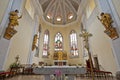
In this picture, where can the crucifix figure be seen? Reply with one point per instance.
(86, 35)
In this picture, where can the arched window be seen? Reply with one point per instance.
(46, 44)
(58, 42)
(73, 44)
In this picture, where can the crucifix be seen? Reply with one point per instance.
(86, 35)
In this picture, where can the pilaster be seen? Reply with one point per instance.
(106, 6)
(4, 43)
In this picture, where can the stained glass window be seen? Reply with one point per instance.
(58, 42)
(46, 44)
(73, 44)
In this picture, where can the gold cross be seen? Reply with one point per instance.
(85, 35)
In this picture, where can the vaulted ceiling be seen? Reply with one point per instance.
(60, 11)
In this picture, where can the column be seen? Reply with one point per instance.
(5, 44)
(107, 7)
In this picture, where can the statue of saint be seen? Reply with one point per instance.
(34, 44)
(13, 19)
(106, 20)
(35, 39)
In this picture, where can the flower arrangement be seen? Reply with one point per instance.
(14, 65)
(58, 73)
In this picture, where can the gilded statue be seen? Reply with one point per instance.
(85, 35)
(60, 54)
(13, 19)
(34, 41)
(106, 20)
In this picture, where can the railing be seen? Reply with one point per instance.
(98, 74)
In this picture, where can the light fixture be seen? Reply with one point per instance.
(48, 16)
(70, 16)
(59, 18)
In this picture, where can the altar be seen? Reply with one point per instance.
(60, 58)
(60, 72)
(60, 62)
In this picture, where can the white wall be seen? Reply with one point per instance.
(3, 7)
(22, 41)
(100, 43)
(4, 48)
(117, 4)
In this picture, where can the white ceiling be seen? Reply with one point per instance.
(63, 10)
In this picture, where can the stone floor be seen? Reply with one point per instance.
(40, 77)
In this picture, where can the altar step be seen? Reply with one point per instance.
(41, 77)
(96, 78)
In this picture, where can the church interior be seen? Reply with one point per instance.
(59, 40)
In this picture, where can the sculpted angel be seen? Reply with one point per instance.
(13, 19)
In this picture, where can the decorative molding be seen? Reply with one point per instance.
(9, 33)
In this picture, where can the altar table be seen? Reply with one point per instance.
(70, 71)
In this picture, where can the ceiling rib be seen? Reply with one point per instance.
(62, 8)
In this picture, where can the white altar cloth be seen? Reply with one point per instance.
(63, 69)
(70, 71)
